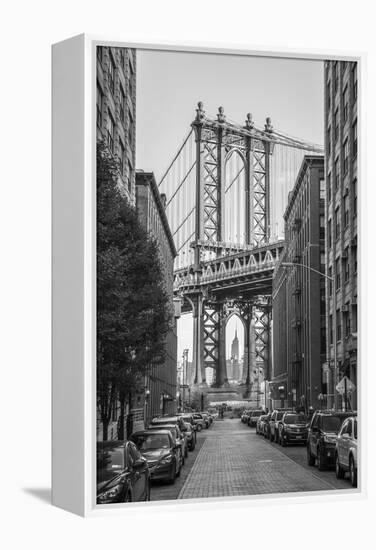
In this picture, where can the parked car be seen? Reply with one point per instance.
(274, 421)
(322, 437)
(199, 421)
(180, 438)
(162, 454)
(176, 419)
(346, 452)
(213, 412)
(260, 424)
(207, 419)
(188, 419)
(253, 416)
(122, 473)
(293, 428)
(245, 415)
(265, 425)
(191, 435)
(211, 417)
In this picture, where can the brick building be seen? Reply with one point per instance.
(116, 126)
(299, 321)
(161, 381)
(341, 147)
(116, 110)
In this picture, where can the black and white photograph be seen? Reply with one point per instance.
(226, 275)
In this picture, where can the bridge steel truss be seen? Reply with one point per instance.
(223, 278)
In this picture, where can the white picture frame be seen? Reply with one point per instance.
(74, 275)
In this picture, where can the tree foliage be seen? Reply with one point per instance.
(133, 313)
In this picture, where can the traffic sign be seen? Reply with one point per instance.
(345, 385)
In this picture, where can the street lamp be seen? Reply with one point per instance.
(331, 279)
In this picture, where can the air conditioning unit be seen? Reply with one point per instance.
(354, 242)
(345, 308)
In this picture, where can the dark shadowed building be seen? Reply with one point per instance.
(299, 328)
(161, 379)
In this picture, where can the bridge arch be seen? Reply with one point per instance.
(235, 227)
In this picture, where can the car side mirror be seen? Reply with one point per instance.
(139, 463)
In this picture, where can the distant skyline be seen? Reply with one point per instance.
(169, 85)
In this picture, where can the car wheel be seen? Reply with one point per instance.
(340, 472)
(282, 441)
(186, 451)
(199, 427)
(310, 457)
(193, 447)
(173, 473)
(320, 463)
(353, 473)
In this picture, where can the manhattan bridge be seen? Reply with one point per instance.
(226, 189)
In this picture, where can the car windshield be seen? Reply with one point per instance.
(331, 423)
(279, 415)
(295, 419)
(148, 442)
(256, 413)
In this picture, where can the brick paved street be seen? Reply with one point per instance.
(233, 460)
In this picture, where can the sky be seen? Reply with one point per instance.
(169, 85)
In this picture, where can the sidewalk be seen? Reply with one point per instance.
(235, 461)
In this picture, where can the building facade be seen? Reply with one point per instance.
(161, 380)
(116, 110)
(299, 315)
(116, 127)
(341, 148)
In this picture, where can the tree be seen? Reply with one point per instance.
(133, 311)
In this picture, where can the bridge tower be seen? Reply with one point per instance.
(216, 141)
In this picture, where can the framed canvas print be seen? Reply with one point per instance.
(205, 275)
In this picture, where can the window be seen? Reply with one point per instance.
(346, 267)
(345, 99)
(322, 262)
(110, 132)
(322, 189)
(355, 184)
(346, 207)
(329, 140)
(328, 98)
(99, 104)
(329, 180)
(336, 173)
(338, 274)
(346, 156)
(323, 340)
(121, 156)
(355, 138)
(330, 286)
(355, 81)
(355, 256)
(346, 323)
(336, 76)
(122, 57)
(330, 329)
(100, 54)
(122, 104)
(336, 125)
(111, 74)
(322, 226)
(330, 233)
(337, 223)
(339, 327)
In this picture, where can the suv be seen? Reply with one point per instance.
(254, 415)
(293, 428)
(199, 421)
(274, 421)
(322, 437)
(346, 453)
